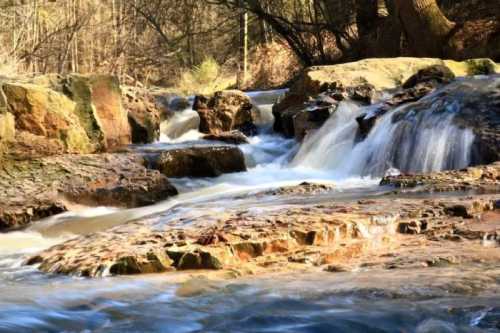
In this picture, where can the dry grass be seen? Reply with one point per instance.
(206, 78)
(9, 66)
(272, 65)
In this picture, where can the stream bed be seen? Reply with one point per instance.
(453, 299)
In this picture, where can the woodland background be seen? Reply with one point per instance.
(192, 45)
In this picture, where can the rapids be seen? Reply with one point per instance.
(353, 302)
(405, 139)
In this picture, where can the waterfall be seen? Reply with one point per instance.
(415, 137)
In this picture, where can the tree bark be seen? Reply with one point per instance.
(427, 28)
(389, 42)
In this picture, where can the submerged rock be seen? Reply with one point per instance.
(209, 161)
(37, 188)
(225, 111)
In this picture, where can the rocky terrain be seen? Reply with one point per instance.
(380, 232)
(66, 142)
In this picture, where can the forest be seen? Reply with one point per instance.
(160, 42)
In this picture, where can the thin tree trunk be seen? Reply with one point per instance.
(243, 52)
(427, 28)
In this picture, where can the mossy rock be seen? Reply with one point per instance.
(47, 113)
(99, 108)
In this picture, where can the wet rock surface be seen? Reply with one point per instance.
(232, 137)
(480, 178)
(358, 81)
(37, 188)
(225, 111)
(383, 233)
(209, 161)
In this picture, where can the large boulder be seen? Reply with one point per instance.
(209, 161)
(99, 107)
(33, 189)
(380, 74)
(46, 113)
(225, 111)
(144, 114)
(68, 114)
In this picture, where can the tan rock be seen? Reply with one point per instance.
(99, 107)
(225, 111)
(46, 113)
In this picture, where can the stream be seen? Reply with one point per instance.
(454, 299)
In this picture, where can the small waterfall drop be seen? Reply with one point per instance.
(415, 137)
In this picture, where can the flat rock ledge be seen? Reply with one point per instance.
(384, 232)
(38, 188)
(485, 179)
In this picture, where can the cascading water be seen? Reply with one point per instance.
(416, 137)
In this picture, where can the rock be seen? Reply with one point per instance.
(48, 114)
(339, 236)
(76, 113)
(437, 74)
(7, 127)
(210, 161)
(484, 178)
(413, 94)
(225, 111)
(233, 137)
(99, 107)
(37, 188)
(179, 103)
(378, 74)
(310, 119)
(144, 114)
(7, 130)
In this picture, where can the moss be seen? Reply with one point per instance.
(78, 88)
(480, 67)
(49, 114)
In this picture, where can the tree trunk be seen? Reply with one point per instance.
(366, 22)
(427, 28)
(243, 52)
(389, 41)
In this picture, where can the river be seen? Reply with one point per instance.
(455, 299)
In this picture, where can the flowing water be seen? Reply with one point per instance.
(451, 300)
(406, 139)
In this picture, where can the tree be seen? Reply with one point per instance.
(426, 27)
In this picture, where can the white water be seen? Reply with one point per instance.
(421, 141)
(31, 301)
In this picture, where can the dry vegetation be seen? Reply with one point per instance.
(194, 46)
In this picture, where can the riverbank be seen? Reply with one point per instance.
(301, 237)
